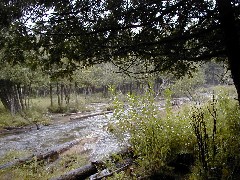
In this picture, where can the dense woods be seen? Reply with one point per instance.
(147, 36)
(17, 89)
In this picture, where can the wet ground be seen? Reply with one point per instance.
(90, 128)
(92, 131)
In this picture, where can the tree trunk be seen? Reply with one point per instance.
(105, 91)
(51, 94)
(67, 92)
(17, 89)
(61, 93)
(89, 90)
(80, 173)
(28, 93)
(25, 97)
(58, 95)
(131, 88)
(92, 168)
(76, 94)
(138, 87)
(231, 39)
(10, 96)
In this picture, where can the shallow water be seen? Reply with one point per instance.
(49, 136)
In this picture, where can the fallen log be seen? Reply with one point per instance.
(90, 115)
(16, 162)
(91, 169)
(80, 173)
(49, 155)
(11, 130)
(106, 173)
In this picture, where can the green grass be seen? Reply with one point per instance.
(77, 105)
(12, 155)
(230, 89)
(157, 137)
(42, 169)
(40, 107)
(34, 115)
(7, 120)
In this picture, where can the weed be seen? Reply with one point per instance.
(154, 138)
(42, 169)
(12, 155)
(158, 138)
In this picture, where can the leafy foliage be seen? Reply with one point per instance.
(186, 86)
(155, 138)
(209, 132)
(159, 35)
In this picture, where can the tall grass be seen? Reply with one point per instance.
(43, 169)
(210, 132)
(40, 107)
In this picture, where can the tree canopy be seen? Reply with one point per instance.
(166, 35)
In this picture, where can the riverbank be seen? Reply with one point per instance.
(89, 128)
(55, 118)
(64, 128)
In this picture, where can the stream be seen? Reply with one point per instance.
(58, 133)
(92, 130)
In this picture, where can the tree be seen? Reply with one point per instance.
(170, 35)
(16, 85)
(215, 73)
(231, 39)
(160, 35)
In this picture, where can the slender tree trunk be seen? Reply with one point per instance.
(21, 96)
(58, 95)
(67, 92)
(231, 38)
(131, 88)
(76, 94)
(51, 94)
(105, 91)
(29, 93)
(25, 93)
(61, 93)
(138, 87)
(89, 90)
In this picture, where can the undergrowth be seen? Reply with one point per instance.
(43, 169)
(40, 107)
(209, 132)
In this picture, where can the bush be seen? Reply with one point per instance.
(187, 85)
(44, 169)
(156, 139)
(210, 132)
(57, 109)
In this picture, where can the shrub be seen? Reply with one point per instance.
(187, 85)
(156, 139)
(57, 109)
(210, 131)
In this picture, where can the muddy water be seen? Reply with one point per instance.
(49, 136)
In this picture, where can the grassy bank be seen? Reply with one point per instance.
(195, 142)
(44, 169)
(39, 108)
